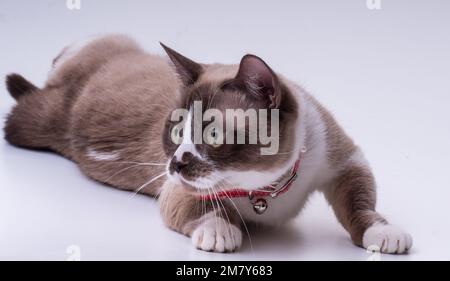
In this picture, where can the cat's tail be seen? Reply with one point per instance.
(18, 86)
(39, 119)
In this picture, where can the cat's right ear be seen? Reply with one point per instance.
(187, 69)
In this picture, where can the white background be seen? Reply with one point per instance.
(385, 74)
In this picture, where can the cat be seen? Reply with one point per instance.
(107, 105)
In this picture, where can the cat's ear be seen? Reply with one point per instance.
(257, 78)
(188, 70)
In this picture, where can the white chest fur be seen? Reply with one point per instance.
(313, 174)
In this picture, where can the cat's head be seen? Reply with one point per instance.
(235, 125)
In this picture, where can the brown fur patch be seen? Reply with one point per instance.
(237, 156)
(352, 193)
(110, 97)
(18, 86)
(353, 199)
(339, 146)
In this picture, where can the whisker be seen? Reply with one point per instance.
(121, 171)
(203, 206)
(147, 183)
(135, 164)
(228, 219)
(214, 208)
(157, 194)
(141, 163)
(239, 213)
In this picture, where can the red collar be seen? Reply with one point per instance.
(266, 191)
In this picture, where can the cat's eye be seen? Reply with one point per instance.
(214, 137)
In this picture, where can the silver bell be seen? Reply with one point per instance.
(260, 206)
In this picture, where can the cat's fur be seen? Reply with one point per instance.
(106, 107)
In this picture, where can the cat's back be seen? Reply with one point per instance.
(78, 61)
(131, 80)
(122, 100)
(107, 62)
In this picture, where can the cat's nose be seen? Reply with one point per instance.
(177, 166)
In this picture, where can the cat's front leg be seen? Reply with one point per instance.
(353, 200)
(212, 225)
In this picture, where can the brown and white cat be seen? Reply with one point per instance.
(106, 105)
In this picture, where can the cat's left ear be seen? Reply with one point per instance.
(187, 69)
(258, 79)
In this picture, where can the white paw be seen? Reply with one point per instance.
(217, 235)
(390, 239)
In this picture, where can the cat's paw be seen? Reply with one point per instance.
(217, 235)
(389, 239)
